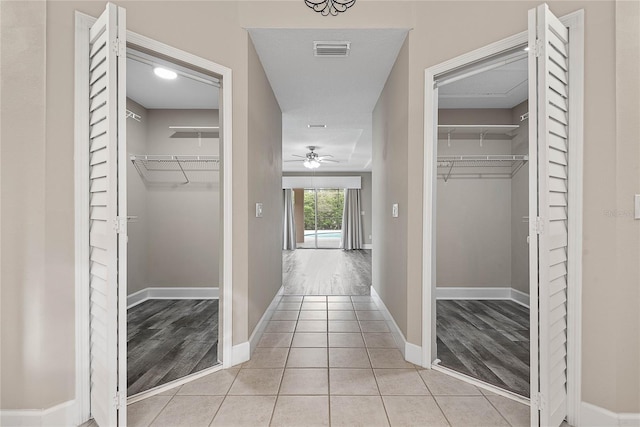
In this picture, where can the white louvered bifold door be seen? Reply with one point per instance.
(549, 39)
(105, 119)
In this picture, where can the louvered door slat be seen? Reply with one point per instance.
(103, 268)
(552, 103)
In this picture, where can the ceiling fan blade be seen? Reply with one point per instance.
(298, 155)
(328, 160)
(287, 161)
(325, 155)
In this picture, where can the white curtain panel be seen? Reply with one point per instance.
(289, 222)
(351, 220)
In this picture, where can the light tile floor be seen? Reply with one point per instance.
(327, 361)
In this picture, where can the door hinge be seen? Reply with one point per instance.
(119, 400)
(539, 225)
(537, 49)
(120, 224)
(539, 402)
(119, 48)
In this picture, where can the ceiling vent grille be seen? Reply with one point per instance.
(331, 49)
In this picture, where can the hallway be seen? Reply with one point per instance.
(327, 360)
(326, 272)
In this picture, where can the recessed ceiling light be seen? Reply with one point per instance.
(316, 126)
(163, 73)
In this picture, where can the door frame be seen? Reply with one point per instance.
(575, 23)
(81, 195)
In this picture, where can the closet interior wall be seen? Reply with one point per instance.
(174, 241)
(481, 222)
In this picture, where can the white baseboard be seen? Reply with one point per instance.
(264, 320)
(240, 353)
(64, 414)
(243, 351)
(595, 416)
(367, 246)
(411, 352)
(483, 293)
(172, 293)
(519, 297)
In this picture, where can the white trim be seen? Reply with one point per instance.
(243, 351)
(63, 414)
(322, 181)
(172, 384)
(81, 218)
(519, 297)
(575, 22)
(264, 320)
(81, 191)
(480, 384)
(367, 246)
(595, 416)
(172, 293)
(240, 353)
(411, 352)
(483, 293)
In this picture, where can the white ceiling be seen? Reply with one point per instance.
(503, 87)
(340, 93)
(152, 92)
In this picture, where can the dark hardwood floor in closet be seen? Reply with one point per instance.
(168, 339)
(326, 272)
(488, 340)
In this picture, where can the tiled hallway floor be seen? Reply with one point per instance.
(327, 361)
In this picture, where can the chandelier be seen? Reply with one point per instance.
(330, 7)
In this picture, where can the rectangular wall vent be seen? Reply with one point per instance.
(331, 49)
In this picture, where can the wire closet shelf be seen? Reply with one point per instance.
(181, 169)
(494, 166)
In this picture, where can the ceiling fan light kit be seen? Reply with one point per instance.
(311, 164)
(312, 160)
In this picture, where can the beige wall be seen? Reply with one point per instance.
(388, 263)
(22, 177)
(175, 240)
(183, 229)
(520, 205)
(265, 186)
(473, 218)
(481, 238)
(626, 314)
(137, 231)
(41, 207)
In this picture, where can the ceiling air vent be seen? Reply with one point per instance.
(331, 49)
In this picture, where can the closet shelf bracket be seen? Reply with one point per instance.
(182, 169)
(495, 166)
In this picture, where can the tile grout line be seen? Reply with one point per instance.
(163, 408)
(284, 368)
(373, 372)
(494, 407)
(224, 398)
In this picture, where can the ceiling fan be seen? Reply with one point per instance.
(312, 160)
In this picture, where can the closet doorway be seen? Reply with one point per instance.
(173, 202)
(476, 204)
(161, 167)
(482, 254)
